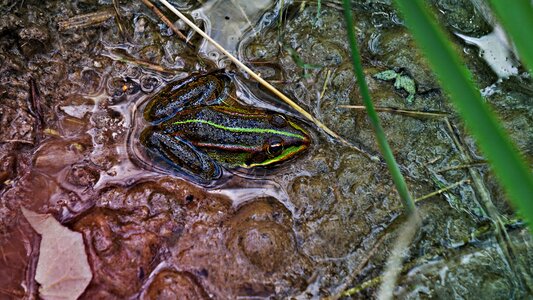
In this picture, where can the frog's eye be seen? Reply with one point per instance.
(278, 121)
(274, 147)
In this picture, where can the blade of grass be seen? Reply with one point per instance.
(456, 81)
(517, 19)
(397, 177)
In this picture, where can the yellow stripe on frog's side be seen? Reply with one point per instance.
(286, 153)
(241, 129)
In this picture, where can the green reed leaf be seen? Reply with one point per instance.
(504, 159)
(397, 177)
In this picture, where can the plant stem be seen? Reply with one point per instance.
(397, 176)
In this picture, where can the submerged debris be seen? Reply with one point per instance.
(86, 20)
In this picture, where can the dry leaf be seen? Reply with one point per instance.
(63, 270)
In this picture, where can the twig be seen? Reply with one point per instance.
(440, 191)
(85, 20)
(435, 193)
(358, 269)
(165, 20)
(433, 160)
(489, 209)
(463, 166)
(118, 18)
(326, 81)
(265, 83)
(142, 63)
(244, 14)
(35, 103)
(433, 114)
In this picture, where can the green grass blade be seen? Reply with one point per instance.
(505, 161)
(397, 177)
(516, 17)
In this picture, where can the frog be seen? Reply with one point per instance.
(197, 127)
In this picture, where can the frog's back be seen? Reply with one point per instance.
(231, 128)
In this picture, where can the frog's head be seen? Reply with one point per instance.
(283, 139)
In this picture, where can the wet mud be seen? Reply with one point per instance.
(71, 100)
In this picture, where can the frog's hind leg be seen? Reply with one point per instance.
(181, 155)
(203, 90)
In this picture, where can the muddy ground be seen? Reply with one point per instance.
(307, 228)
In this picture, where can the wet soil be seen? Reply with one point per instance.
(69, 106)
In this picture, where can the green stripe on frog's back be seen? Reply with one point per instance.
(242, 129)
(238, 137)
(216, 125)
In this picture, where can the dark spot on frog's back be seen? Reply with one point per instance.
(207, 89)
(278, 120)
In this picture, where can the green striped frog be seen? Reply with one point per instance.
(194, 129)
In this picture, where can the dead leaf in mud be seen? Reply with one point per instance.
(63, 269)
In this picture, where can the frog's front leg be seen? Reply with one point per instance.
(209, 89)
(180, 154)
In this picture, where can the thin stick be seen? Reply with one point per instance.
(118, 16)
(444, 189)
(435, 114)
(145, 64)
(357, 271)
(161, 16)
(508, 250)
(437, 192)
(324, 88)
(463, 166)
(85, 20)
(264, 82)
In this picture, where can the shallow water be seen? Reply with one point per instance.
(300, 229)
